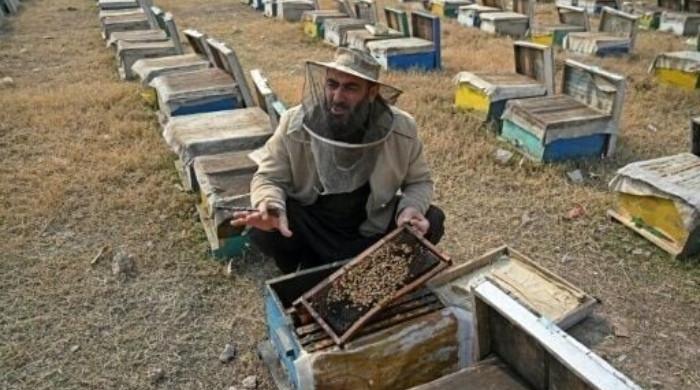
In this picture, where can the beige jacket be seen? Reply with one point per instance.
(287, 169)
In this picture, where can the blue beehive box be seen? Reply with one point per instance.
(582, 122)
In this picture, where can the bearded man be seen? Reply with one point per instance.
(342, 169)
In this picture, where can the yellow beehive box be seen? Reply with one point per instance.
(660, 200)
(680, 68)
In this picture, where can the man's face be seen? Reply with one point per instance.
(344, 93)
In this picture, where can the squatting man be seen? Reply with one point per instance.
(343, 169)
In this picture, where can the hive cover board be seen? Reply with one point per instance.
(394, 266)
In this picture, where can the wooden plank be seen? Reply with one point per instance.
(582, 362)
(228, 60)
(488, 374)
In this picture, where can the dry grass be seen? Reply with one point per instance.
(84, 166)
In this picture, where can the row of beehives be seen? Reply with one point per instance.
(408, 40)
(207, 111)
(8, 8)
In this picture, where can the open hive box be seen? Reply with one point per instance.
(680, 68)
(518, 350)
(448, 8)
(394, 266)
(660, 200)
(415, 339)
(537, 288)
(680, 23)
(312, 21)
(420, 51)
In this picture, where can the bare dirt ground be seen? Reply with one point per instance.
(83, 166)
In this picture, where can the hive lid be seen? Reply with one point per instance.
(537, 288)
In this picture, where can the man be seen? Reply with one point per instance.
(328, 182)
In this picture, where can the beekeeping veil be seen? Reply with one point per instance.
(345, 148)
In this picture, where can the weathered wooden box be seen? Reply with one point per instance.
(396, 27)
(595, 6)
(541, 291)
(616, 34)
(412, 342)
(130, 51)
(291, 10)
(224, 185)
(680, 23)
(470, 15)
(485, 93)
(518, 350)
(660, 200)
(649, 16)
(583, 122)
(421, 51)
(148, 69)
(335, 30)
(117, 4)
(222, 87)
(512, 24)
(158, 31)
(130, 21)
(681, 69)
(448, 8)
(312, 21)
(191, 136)
(571, 19)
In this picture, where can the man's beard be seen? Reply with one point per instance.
(350, 127)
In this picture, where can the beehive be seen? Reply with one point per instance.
(117, 4)
(448, 8)
(291, 10)
(312, 21)
(616, 34)
(583, 122)
(470, 15)
(191, 136)
(571, 19)
(224, 185)
(396, 27)
(680, 23)
(413, 341)
(594, 6)
(681, 69)
(335, 30)
(485, 94)
(148, 69)
(420, 51)
(131, 21)
(518, 350)
(660, 200)
(222, 87)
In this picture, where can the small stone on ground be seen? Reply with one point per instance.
(228, 354)
(250, 382)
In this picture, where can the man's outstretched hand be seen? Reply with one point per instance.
(415, 218)
(264, 219)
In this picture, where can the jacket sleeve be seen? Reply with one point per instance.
(274, 175)
(417, 187)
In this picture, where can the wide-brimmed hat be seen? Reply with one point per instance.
(362, 65)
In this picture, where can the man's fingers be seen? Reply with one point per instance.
(283, 225)
(238, 222)
(262, 208)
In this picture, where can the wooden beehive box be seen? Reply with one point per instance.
(596, 6)
(191, 136)
(312, 21)
(334, 30)
(571, 19)
(681, 69)
(583, 122)
(660, 200)
(680, 23)
(143, 20)
(117, 4)
(518, 350)
(616, 34)
(485, 93)
(470, 15)
(541, 291)
(448, 8)
(224, 186)
(291, 10)
(148, 69)
(222, 87)
(396, 27)
(421, 51)
(396, 265)
(413, 341)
